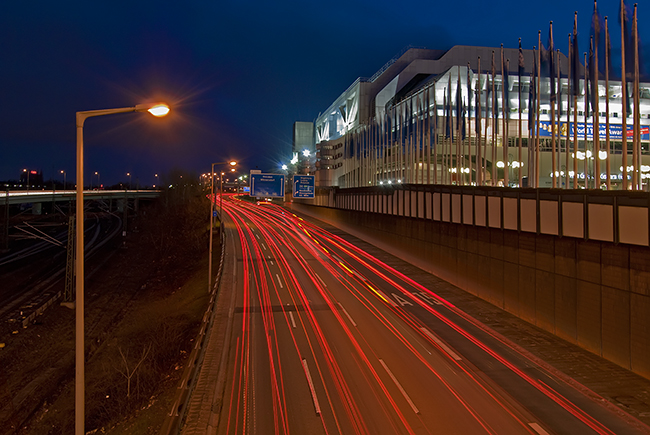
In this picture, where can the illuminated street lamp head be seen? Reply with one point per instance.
(233, 163)
(157, 109)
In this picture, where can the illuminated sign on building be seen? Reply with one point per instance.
(615, 131)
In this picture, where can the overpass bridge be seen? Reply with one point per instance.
(43, 196)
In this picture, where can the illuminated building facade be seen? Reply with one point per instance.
(444, 117)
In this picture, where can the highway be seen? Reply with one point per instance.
(327, 339)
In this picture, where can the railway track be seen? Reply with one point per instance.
(31, 276)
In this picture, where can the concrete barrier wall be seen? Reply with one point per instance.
(574, 264)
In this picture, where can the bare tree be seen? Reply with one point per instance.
(127, 371)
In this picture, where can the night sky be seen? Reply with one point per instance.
(237, 74)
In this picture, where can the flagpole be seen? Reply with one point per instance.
(459, 137)
(608, 168)
(539, 95)
(485, 143)
(469, 126)
(567, 142)
(574, 85)
(623, 97)
(477, 122)
(427, 147)
(637, 115)
(504, 145)
(552, 102)
(520, 70)
(596, 96)
(559, 116)
(586, 112)
(443, 149)
(435, 135)
(450, 160)
(494, 125)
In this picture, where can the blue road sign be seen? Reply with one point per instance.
(303, 186)
(214, 213)
(267, 185)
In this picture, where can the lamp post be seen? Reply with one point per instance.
(156, 175)
(63, 172)
(158, 110)
(128, 174)
(99, 185)
(27, 172)
(231, 163)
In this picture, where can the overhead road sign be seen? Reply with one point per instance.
(303, 186)
(267, 185)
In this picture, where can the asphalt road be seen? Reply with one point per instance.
(328, 339)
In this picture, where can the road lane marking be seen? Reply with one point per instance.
(446, 348)
(279, 281)
(406, 396)
(258, 237)
(320, 279)
(263, 246)
(293, 322)
(311, 386)
(428, 298)
(537, 428)
(347, 314)
(401, 300)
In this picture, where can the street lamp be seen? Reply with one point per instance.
(156, 175)
(63, 172)
(99, 185)
(128, 174)
(158, 110)
(26, 171)
(231, 163)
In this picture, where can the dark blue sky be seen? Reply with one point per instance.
(236, 73)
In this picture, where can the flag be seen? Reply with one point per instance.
(588, 96)
(624, 15)
(597, 31)
(459, 101)
(532, 97)
(447, 118)
(479, 89)
(551, 61)
(469, 90)
(505, 78)
(463, 127)
(559, 84)
(522, 66)
(590, 87)
(628, 53)
(575, 60)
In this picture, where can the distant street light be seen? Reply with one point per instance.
(231, 163)
(156, 175)
(25, 170)
(99, 185)
(63, 172)
(128, 174)
(158, 110)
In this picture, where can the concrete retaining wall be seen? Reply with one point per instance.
(592, 293)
